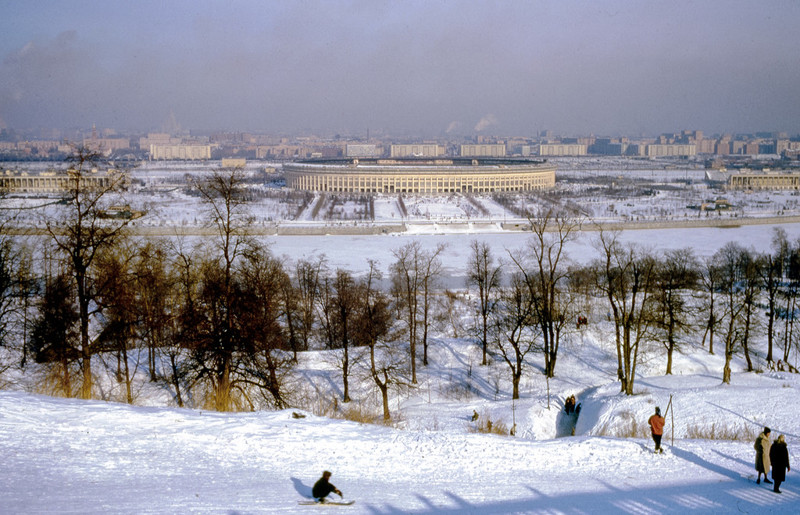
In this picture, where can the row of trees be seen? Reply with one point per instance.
(223, 319)
(221, 316)
(667, 298)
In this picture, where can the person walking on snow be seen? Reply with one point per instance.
(762, 446)
(779, 456)
(322, 488)
(656, 423)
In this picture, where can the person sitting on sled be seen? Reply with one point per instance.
(322, 488)
(569, 404)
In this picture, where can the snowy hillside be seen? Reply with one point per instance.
(438, 454)
(75, 456)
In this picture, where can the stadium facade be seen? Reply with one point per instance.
(429, 176)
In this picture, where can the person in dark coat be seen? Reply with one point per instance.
(322, 488)
(569, 404)
(762, 446)
(779, 456)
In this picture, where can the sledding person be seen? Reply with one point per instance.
(322, 488)
(779, 456)
(656, 423)
(569, 404)
(762, 446)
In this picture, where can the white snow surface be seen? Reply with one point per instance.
(73, 456)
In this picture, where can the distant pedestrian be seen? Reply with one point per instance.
(656, 423)
(779, 456)
(762, 445)
(322, 488)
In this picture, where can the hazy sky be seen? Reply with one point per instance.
(405, 67)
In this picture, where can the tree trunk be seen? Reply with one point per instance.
(345, 373)
(384, 388)
(746, 341)
(151, 362)
(222, 402)
(726, 370)
(176, 380)
(86, 364)
(485, 342)
(770, 327)
(517, 375)
(66, 384)
(670, 347)
(711, 322)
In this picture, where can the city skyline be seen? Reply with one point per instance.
(427, 69)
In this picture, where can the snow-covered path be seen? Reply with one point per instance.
(70, 456)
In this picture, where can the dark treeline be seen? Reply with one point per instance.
(220, 323)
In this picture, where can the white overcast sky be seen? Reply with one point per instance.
(406, 67)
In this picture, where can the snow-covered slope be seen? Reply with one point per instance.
(70, 456)
(92, 457)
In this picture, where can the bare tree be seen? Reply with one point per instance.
(413, 276)
(431, 267)
(262, 360)
(729, 259)
(291, 314)
(118, 304)
(307, 276)
(771, 269)
(751, 289)
(513, 328)
(55, 335)
(374, 326)
(9, 280)
(626, 275)
(185, 320)
(345, 306)
(82, 232)
(223, 195)
(17, 290)
(8, 261)
(676, 274)
(156, 290)
(710, 279)
(546, 278)
(790, 292)
(27, 286)
(485, 275)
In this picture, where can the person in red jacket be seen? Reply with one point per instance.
(656, 423)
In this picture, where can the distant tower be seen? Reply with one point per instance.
(94, 132)
(171, 125)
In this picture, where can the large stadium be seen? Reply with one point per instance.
(420, 175)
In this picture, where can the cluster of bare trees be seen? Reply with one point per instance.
(528, 311)
(219, 321)
(653, 299)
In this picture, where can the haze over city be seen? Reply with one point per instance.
(416, 68)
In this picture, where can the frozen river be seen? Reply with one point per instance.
(353, 252)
